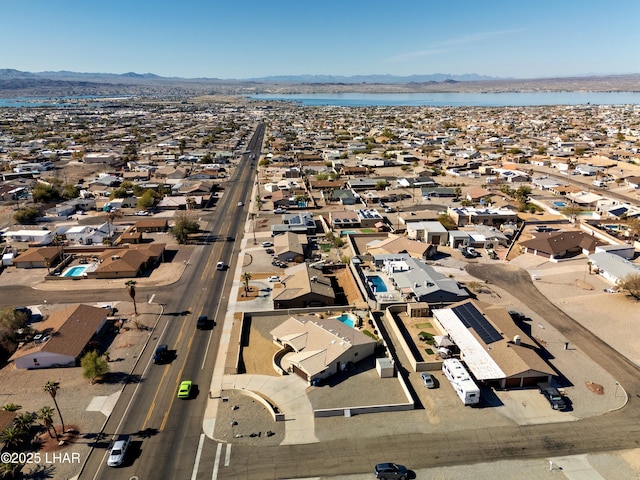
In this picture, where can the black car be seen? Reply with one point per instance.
(202, 322)
(161, 354)
(553, 395)
(390, 471)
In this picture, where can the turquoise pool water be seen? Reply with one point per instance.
(347, 320)
(76, 271)
(348, 232)
(378, 283)
(559, 204)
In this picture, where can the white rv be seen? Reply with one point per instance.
(461, 381)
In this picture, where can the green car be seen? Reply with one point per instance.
(185, 389)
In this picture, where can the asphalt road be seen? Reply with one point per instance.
(166, 431)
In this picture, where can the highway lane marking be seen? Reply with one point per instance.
(151, 299)
(216, 464)
(215, 320)
(227, 455)
(194, 474)
(166, 370)
(175, 389)
(153, 402)
(126, 410)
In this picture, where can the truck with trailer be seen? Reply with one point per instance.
(461, 381)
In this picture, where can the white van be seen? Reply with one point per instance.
(598, 183)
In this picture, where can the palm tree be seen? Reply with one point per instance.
(11, 437)
(246, 276)
(110, 217)
(131, 285)
(46, 415)
(52, 387)
(24, 421)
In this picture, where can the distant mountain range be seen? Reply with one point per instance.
(8, 73)
(14, 83)
(385, 79)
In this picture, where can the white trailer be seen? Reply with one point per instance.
(461, 381)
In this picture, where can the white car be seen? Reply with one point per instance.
(427, 380)
(280, 210)
(267, 244)
(220, 266)
(274, 278)
(118, 451)
(142, 213)
(241, 204)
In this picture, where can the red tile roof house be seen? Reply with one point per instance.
(65, 335)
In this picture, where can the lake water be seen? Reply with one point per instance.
(62, 102)
(510, 99)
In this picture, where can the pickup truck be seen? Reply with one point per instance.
(553, 395)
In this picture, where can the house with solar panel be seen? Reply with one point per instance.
(494, 349)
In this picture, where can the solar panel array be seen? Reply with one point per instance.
(472, 318)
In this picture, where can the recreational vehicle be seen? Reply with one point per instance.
(461, 381)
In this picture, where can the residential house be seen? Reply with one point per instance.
(88, 234)
(320, 347)
(290, 247)
(432, 232)
(154, 224)
(494, 348)
(304, 286)
(62, 338)
(34, 237)
(127, 262)
(395, 244)
(561, 245)
(38, 257)
(419, 282)
(484, 216)
(299, 222)
(613, 267)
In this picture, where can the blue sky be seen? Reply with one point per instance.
(248, 39)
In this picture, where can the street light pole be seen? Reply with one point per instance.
(253, 226)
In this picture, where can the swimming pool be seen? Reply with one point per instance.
(377, 283)
(347, 319)
(559, 204)
(76, 271)
(348, 232)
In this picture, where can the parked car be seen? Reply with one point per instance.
(280, 210)
(274, 278)
(267, 244)
(390, 471)
(184, 390)
(118, 451)
(553, 395)
(270, 251)
(427, 380)
(161, 354)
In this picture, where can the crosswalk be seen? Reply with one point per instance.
(218, 459)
